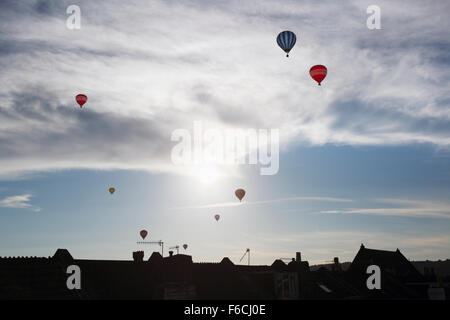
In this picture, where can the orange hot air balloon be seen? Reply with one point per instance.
(217, 217)
(240, 193)
(81, 99)
(318, 73)
(143, 234)
(112, 190)
(185, 246)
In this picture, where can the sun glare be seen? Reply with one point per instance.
(206, 175)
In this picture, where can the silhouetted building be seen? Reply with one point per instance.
(392, 262)
(178, 277)
(399, 278)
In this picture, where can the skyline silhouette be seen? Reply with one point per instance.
(176, 276)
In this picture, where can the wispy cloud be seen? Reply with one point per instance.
(326, 199)
(410, 208)
(19, 202)
(211, 206)
(235, 204)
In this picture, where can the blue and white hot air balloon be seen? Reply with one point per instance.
(286, 40)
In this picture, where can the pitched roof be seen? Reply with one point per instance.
(392, 262)
(156, 257)
(279, 265)
(227, 262)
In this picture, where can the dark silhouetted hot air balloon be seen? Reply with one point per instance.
(217, 217)
(318, 73)
(286, 40)
(240, 193)
(185, 246)
(81, 99)
(112, 190)
(143, 234)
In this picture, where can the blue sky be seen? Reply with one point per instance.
(364, 158)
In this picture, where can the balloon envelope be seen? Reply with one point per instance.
(217, 217)
(112, 190)
(286, 40)
(185, 246)
(240, 193)
(81, 99)
(143, 234)
(318, 73)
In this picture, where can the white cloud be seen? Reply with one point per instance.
(409, 208)
(234, 204)
(19, 202)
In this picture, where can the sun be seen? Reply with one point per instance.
(206, 175)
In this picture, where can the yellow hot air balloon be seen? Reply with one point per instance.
(112, 190)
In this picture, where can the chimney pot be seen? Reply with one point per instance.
(138, 256)
(298, 256)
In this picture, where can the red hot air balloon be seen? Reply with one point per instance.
(185, 246)
(143, 234)
(240, 193)
(217, 217)
(81, 99)
(318, 73)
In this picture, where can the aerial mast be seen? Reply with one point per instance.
(159, 242)
(246, 252)
(177, 247)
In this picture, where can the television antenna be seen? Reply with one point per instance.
(246, 251)
(159, 242)
(177, 247)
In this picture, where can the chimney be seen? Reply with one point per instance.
(170, 253)
(337, 266)
(298, 257)
(138, 256)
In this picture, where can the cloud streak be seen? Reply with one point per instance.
(18, 202)
(235, 204)
(409, 208)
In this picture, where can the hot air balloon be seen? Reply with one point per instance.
(240, 193)
(143, 234)
(286, 40)
(81, 99)
(112, 190)
(185, 246)
(217, 217)
(318, 73)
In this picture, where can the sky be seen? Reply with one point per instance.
(363, 158)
